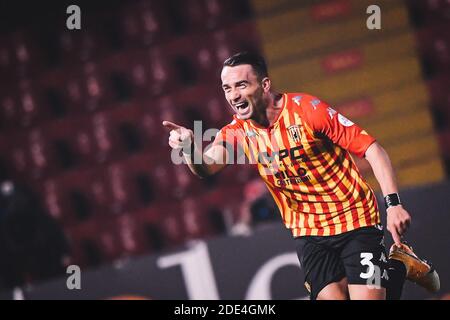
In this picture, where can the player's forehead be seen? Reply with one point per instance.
(235, 74)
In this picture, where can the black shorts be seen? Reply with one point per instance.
(359, 255)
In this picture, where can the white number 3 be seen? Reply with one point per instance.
(366, 257)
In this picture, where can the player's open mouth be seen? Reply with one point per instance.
(242, 106)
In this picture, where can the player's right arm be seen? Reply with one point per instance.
(209, 163)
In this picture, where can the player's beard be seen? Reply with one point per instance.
(259, 106)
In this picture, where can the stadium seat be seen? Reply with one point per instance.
(129, 236)
(231, 40)
(27, 56)
(87, 90)
(31, 109)
(9, 112)
(153, 133)
(148, 218)
(39, 152)
(211, 109)
(79, 202)
(162, 76)
(89, 245)
(143, 24)
(171, 226)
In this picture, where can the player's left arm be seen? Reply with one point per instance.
(398, 219)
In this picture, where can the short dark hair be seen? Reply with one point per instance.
(255, 60)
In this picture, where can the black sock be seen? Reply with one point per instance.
(397, 275)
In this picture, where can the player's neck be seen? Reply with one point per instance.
(269, 115)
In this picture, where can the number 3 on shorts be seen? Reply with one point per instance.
(366, 261)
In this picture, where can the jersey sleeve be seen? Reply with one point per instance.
(229, 137)
(325, 120)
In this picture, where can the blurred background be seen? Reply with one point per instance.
(85, 170)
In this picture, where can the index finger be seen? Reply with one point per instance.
(171, 125)
(396, 237)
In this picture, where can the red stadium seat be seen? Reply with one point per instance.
(89, 245)
(100, 239)
(197, 16)
(9, 112)
(148, 219)
(160, 71)
(155, 136)
(17, 156)
(143, 24)
(39, 154)
(80, 47)
(84, 90)
(27, 56)
(231, 40)
(105, 137)
(193, 64)
(212, 109)
(122, 236)
(82, 194)
(22, 106)
(171, 225)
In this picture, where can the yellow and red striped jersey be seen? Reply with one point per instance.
(304, 160)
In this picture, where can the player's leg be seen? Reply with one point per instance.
(365, 292)
(324, 272)
(405, 264)
(334, 291)
(397, 276)
(364, 259)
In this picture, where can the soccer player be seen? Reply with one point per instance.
(300, 146)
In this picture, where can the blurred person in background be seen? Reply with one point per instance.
(33, 246)
(301, 147)
(257, 206)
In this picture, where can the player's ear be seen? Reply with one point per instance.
(266, 84)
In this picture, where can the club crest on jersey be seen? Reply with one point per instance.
(294, 132)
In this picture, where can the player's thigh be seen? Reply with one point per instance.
(334, 291)
(364, 292)
(322, 268)
(364, 259)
